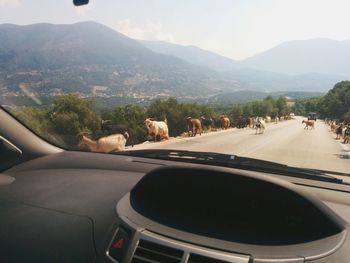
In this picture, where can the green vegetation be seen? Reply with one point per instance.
(70, 116)
(61, 123)
(268, 107)
(131, 115)
(334, 105)
(176, 113)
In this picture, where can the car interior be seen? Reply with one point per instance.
(66, 206)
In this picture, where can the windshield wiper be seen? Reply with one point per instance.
(234, 161)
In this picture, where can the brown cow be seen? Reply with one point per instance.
(193, 126)
(225, 122)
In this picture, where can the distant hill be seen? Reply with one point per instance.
(78, 57)
(192, 55)
(266, 81)
(322, 56)
(246, 73)
(297, 57)
(95, 60)
(51, 46)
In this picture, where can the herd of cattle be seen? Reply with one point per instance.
(341, 129)
(116, 135)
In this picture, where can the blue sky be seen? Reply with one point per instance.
(234, 28)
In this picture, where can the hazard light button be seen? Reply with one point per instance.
(119, 245)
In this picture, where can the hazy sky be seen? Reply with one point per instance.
(234, 28)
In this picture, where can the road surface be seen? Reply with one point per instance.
(286, 142)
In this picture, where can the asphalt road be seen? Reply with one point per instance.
(286, 142)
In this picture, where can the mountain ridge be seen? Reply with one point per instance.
(253, 62)
(249, 76)
(192, 53)
(317, 55)
(91, 58)
(89, 54)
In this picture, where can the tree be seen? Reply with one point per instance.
(133, 116)
(247, 110)
(258, 108)
(235, 113)
(282, 107)
(336, 103)
(176, 113)
(70, 115)
(37, 119)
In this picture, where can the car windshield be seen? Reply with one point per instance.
(261, 79)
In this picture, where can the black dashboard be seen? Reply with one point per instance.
(85, 207)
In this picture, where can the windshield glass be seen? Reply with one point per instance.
(260, 79)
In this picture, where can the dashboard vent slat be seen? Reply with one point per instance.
(149, 252)
(194, 258)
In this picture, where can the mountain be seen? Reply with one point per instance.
(95, 60)
(91, 58)
(322, 56)
(192, 55)
(51, 46)
(246, 73)
(298, 57)
(266, 81)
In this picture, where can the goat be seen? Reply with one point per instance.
(225, 122)
(259, 126)
(333, 125)
(108, 129)
(107, 144)
(308, 124)
(347, 134)
(193, 126)
(207, 123)
(339, 131)
(157, 128)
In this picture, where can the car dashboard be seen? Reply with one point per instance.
(86, 207)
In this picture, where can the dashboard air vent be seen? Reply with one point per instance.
(151, 252)
(194, 258)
